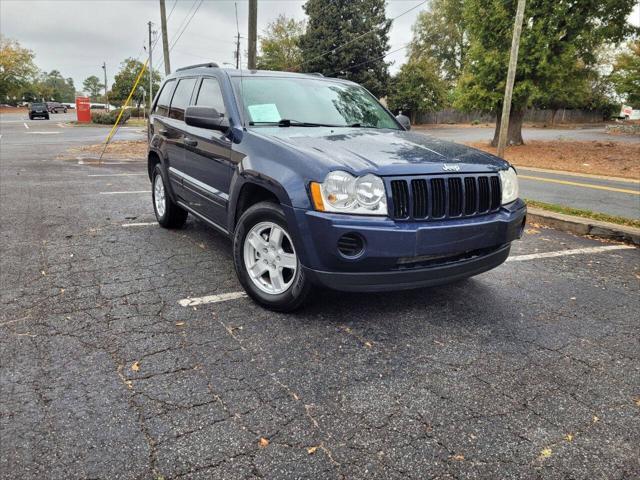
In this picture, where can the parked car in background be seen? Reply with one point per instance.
(38, 110)
(56, 107)
(317, 184)
(69, 105)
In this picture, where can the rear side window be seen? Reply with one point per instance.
(162, 105)
(210, 95)
(181, 98)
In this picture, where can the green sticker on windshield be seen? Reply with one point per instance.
(266, 112)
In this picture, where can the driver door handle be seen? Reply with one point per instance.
(162, 131)
(190, 142)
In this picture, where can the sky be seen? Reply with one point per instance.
(76, 36)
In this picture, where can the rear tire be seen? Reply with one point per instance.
(265, 259)
(168, 213)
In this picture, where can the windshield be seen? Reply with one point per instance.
(290, 101)
(37, 105)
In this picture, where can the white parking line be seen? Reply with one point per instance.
(122, 193)
(224, 297)
(26, 126)
(139, 224)
(116, 174)
(562, 253)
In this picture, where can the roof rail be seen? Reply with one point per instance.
(207, 65)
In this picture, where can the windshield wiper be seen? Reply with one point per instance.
(285, 122)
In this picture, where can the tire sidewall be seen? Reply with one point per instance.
(295, 294)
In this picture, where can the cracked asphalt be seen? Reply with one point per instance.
(528, 371)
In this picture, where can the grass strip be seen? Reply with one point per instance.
(578, 212)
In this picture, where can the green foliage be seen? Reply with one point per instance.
(360, 24)
(559, 40)
(109, 118)
(440, 33)
(93, 86)
(125, 79)
(17, 69)
(417, 88)
(53, 86)
(280, 45)
(626, 74)
(138, 112)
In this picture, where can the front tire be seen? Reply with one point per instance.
(168, 214)
(266, 261)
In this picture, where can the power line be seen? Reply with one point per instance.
(334, 50)
(369, 61)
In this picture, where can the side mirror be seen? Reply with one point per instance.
(404, 121)
(206, 117)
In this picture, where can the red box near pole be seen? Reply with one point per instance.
(83, 109)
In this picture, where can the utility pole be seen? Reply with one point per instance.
(238, 52)
(165, 38)
(150, 64)
(253, 33)
(106, 94)
(511, 75)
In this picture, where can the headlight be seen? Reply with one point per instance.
(509, 181)
(342, 192)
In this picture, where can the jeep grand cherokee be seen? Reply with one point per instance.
(316, 183)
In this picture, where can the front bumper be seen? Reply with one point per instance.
(404, 254)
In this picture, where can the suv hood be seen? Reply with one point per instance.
(385, 152)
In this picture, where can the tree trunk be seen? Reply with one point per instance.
(514, 134)
(412, 117)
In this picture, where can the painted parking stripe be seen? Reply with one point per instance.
(577, 184)
(115, 174)
(224, 297)
(123, 193)
(562, 253)
(139, 224)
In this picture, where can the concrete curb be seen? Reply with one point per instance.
(584, 226)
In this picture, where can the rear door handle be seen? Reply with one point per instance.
(190, 142)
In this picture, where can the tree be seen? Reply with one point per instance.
(348, 39)
(125, 79)
(53, 86)
(280, 45)
(17, 69)
(556, 34)
(93, 86)
(626, 74)
(417, 88)
(440, 33)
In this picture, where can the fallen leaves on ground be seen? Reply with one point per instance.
(135, 366)
(312, 450)
(546, 453)
(263, 442)
(618, 159)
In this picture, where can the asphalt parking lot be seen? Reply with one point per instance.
(129, 352)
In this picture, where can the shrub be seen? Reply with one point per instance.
(109, 118)
(138, 112)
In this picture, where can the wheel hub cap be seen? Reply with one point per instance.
(270, 258)
(159, 195)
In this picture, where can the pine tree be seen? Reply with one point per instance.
(348, 39)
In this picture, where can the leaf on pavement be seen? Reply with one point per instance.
(568, 437)
(458, 457)
(179, 324)
(545, 453)
(135, 366)
(312, 450)
(263, 442)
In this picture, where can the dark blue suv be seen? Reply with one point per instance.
(317, 183)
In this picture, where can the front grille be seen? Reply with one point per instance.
(441, 196)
